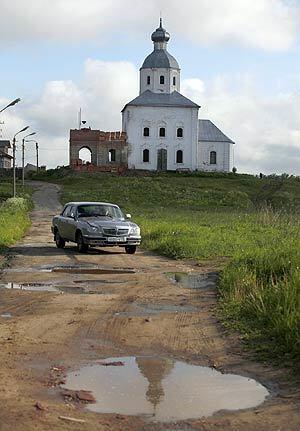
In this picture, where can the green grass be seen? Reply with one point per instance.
(5, 190)
(250, 225)
(14, 219)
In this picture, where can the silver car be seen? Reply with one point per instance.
(95, 224)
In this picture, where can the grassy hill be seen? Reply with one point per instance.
(189, 191)
(246, 225)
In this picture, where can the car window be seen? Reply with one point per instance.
(99, 211)
(66, 212)
(72, 212)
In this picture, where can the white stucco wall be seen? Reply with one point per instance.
(155, 85)
(223, 150)
(135, 118)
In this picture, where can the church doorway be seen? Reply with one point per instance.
(162, 159)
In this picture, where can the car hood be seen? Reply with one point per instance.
(107, 222)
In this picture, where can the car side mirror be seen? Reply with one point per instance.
(128, 216)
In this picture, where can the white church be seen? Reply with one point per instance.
(162, 126)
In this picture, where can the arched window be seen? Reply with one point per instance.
(148, 80)
(179, 156)
(146, 131)
(180, 132)
(146, 156)
(85, 155)
(213, 158)
(162, 132)
(174, 80)
(112, 155)
(162, 79)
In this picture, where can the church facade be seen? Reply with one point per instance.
(162, 126)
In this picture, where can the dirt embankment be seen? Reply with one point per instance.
(89, 317)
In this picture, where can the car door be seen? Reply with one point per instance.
(72, 223)
(61, 222)
(65, 227)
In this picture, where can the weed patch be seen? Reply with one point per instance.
(14, 219)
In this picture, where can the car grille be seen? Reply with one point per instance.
(115, 232)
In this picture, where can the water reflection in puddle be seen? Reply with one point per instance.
(6, 315)
(194, 281)
(164, 389)
(72, 270)
(30, 286)
(82, 270)
(44, 287)
(99, 281)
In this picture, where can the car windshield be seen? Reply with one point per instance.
(99, 211)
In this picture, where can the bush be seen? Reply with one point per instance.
(14, 220)
(22, 204)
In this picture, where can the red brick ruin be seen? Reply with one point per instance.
(108, 150)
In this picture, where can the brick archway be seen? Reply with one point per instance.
(101, 145)
(85, 154)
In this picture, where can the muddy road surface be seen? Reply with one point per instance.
(109, 341)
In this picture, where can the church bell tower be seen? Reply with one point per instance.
(160, 72)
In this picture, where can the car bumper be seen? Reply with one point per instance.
(111, 241)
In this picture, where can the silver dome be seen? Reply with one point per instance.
(160, 34)
(160, 58)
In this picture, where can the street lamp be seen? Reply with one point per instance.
(37, 153)
(23, 155)
(14, 102)
(14, 159)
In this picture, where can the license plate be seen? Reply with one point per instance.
(116, 239)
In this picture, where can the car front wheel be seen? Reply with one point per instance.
(130, 249)
(81, 246)
(59, 241)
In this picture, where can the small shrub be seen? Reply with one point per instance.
(14, 220)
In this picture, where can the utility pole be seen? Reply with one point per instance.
(37, 153)
(14, 159)
(23, 157)
(14, 102)
(37, 157)
(14, 166)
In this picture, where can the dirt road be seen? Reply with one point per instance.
(89, 316)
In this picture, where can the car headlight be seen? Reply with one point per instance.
(95, 229)
(135, 230)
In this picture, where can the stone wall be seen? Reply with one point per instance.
(223, 152)
(100, 144)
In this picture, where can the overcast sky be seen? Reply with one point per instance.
(239, 60)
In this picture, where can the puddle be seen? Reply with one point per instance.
(99, 281)
(80, 270)
(25, 270)
(39, 287)
(6, 315)
(164, 389)
(194, 281)
(146, 309)
(44, 287)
